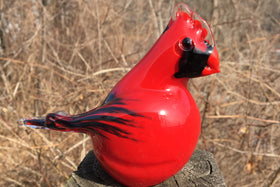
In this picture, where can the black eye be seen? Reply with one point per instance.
(206, 43)
(187, 43)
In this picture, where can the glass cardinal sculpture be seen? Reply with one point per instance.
(148, 126)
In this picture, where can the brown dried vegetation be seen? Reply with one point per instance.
(67, 55)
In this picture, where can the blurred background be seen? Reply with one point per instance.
(67, 55)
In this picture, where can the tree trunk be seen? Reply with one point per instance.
(201, 170)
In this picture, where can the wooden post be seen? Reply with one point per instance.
(201, 170)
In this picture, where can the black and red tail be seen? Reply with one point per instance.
(112, 117)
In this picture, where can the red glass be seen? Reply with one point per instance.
(148, 127)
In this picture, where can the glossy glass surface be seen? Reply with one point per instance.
(147, 128)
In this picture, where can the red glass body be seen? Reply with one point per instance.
(165, 138)
(149, 125)
(167, 135)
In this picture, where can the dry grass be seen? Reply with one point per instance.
(67, 55)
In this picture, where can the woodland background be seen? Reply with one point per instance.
(66, 55)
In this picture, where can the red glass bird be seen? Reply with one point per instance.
(148, 126)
